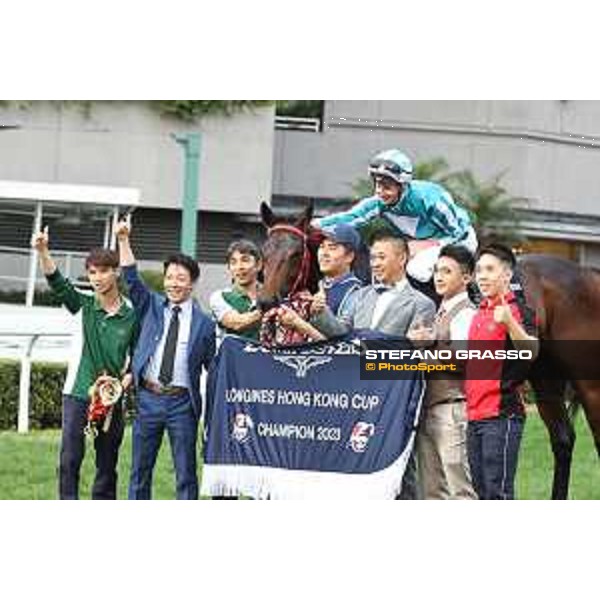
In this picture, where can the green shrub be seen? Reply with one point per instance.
(47, 380)
(192, 110)
(299, 108)
(9, 393)
(45, 395)
(184, 110)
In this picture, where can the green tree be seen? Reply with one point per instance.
(184, 110)
(299, 108)
(192, 110)
(494, 212)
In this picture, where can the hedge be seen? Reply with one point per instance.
(45, 395)
(47, 381)
(47, 378)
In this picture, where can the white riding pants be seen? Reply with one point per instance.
(421, 265)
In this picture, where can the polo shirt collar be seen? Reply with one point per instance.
(489, 303)
(242, 292)
(122, 312)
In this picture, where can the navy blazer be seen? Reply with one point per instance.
(150, 309)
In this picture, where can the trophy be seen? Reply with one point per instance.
(104, 394)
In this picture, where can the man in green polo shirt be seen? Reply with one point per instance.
(234, 308)
(103, 343)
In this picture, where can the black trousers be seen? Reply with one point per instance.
(72, 451)
(493, 450)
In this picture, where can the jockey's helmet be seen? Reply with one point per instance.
(393, 164)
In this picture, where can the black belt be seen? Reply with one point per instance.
(163, 390)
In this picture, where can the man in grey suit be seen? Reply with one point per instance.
(391, 306)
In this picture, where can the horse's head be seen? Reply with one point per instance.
(289, 252)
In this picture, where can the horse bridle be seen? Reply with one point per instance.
(302, 277)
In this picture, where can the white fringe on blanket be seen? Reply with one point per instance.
(289, 484)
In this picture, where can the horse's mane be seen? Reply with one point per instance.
(314, 237)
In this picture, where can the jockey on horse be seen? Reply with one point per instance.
(422, 211)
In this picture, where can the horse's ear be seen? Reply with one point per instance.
(307, 215)
(268, 218)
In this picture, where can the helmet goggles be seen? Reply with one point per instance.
(384, 167)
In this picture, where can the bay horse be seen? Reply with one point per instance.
(564, 296)
(290, 270)
(566, 300)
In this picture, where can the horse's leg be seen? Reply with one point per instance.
(551, 406)
(590, 400)
(593, 418)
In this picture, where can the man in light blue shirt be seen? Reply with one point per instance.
(176, 342)
(180, 369)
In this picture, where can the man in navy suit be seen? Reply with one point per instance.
(177, 339)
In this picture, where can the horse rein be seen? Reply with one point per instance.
(302, 277)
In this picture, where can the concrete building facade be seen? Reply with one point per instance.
(547, 150)
(130, 144)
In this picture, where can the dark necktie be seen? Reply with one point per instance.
(168, 359)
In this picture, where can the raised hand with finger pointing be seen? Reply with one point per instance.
(123, 227)
(39, 240)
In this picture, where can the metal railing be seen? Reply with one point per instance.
(25, 375)
(66, 261)
(298, 123)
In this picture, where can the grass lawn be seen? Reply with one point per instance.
(534, 476)
(28, 465)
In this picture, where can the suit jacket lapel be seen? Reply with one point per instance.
(194, 328)
(368, 307)
(392, 311)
